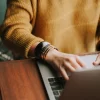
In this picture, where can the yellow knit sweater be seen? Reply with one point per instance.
(70, 25)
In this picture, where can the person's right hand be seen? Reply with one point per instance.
(64, 62)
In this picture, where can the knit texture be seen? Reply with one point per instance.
(70, 25)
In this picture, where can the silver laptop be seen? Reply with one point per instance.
(54, 83)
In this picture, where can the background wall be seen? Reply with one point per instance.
(5, 53)
(2, 9)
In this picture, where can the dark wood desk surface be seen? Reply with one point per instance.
(19, 80)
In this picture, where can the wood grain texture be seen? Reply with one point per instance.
(19, 80)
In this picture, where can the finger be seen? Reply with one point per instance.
(67, 65)
(74, 64)
(80, 62)
(64, 73)
(97, 61)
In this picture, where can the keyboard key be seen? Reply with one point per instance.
(56, 92)
(57, 87)
(60, 91)
(54, 83)
(51, 79)
(57, 84)
(57, 98)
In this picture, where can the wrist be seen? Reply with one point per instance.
(42, 50)
(52, 55)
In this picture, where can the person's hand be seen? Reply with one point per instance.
(97, 61)
(64, 62)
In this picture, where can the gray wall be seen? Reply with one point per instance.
(2, 9)
(5, 54)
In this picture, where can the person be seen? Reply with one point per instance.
(55, 31)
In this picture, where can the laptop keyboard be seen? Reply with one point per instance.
(57, 84)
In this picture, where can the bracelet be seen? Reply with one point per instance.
(45, 50)
(42, 49)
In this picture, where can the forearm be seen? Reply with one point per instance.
(22, 43)
(17, 29)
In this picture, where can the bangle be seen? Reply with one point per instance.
(42, 49)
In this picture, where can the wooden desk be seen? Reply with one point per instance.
(19, 80)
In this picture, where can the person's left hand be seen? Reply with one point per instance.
(97, 61)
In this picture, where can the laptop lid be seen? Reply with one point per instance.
(83, 85)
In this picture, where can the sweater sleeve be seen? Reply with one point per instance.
(98, 36)
(17, 28)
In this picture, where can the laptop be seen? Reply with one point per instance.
(54, 83)
(83, 85)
